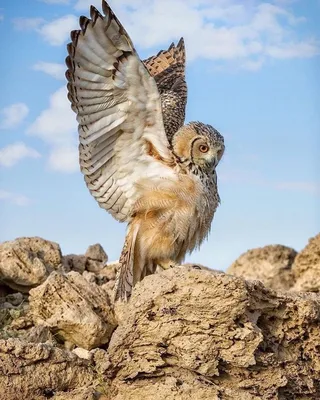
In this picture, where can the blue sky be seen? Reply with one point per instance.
(253, 72)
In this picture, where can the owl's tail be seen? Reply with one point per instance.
(133, 265)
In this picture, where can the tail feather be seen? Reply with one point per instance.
(125, 278)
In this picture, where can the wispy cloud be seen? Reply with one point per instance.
(13, 115)
(13, 153)
(27, 24)
(310, 187)
(246, 34)
(55, 70)
(55, 32)
(254, 177)
(57, 127)
(58, 31)
(14, 198)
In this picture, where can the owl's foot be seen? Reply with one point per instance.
(167, 264)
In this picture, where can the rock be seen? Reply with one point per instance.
(39, 334)
(26, 262)
(93, 260)
(270, 265)
(95, 252)
(74, 309)
(96, 258)
(90, 277)
(75, 262)
(306, 267)
(39, 371)
(79, 394)
(15, 298)
(188, 333)
(82, 353)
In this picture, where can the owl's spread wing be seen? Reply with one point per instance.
(168, 70)
(118, 109)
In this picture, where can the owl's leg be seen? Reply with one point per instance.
(167, 264)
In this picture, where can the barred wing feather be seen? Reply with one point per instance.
(118, 110)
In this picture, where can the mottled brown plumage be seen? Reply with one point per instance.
(139, 161)
(168, 70)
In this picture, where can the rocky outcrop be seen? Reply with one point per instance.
(306, 267)
(31, 371)
(26, 262)
(187, 333)
(195, 334)
(272, 265)
(93, 260)
(74, 309)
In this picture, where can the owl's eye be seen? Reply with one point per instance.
(204, 148)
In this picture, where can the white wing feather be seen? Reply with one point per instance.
(118, 109)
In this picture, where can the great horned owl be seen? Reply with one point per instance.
(139, 161)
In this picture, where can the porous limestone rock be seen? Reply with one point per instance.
(188, 333)
(270, 265)
(93, 260)
(32, 371)
(27, 261)
(96, 258)
(75, 309)
(306, 267)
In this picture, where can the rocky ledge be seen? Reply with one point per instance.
(186, 333)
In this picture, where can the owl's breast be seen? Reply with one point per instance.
(201, 205)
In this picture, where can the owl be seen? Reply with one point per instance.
(139, 160)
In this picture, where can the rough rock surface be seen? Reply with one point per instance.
(186, 333)
(93, 260)
(195, 334)
(306, 267)
(74, 309)
(31, 371)
(270, 265)
(26, 262)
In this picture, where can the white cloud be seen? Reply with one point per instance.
(245, 34)
(27, 24)
(1, 17)
(13, 153)
(55, 32)
(58, 31)
(57, 126)
(13, 198)
(300, 186)
(13, 115)
(55, 70)
(64, 159)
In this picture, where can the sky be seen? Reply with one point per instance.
(253, 72)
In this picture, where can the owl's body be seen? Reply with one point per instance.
(139, 161)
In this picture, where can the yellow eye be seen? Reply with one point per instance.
(204, 148)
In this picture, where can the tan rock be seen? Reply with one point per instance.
(75, 262)
(306, 267)
(78, 311)
(96, 252)
(96, 258)
(270, 265)
(26, 262)
(39, 371)
(188, 333)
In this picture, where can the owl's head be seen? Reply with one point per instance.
(198, 144)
